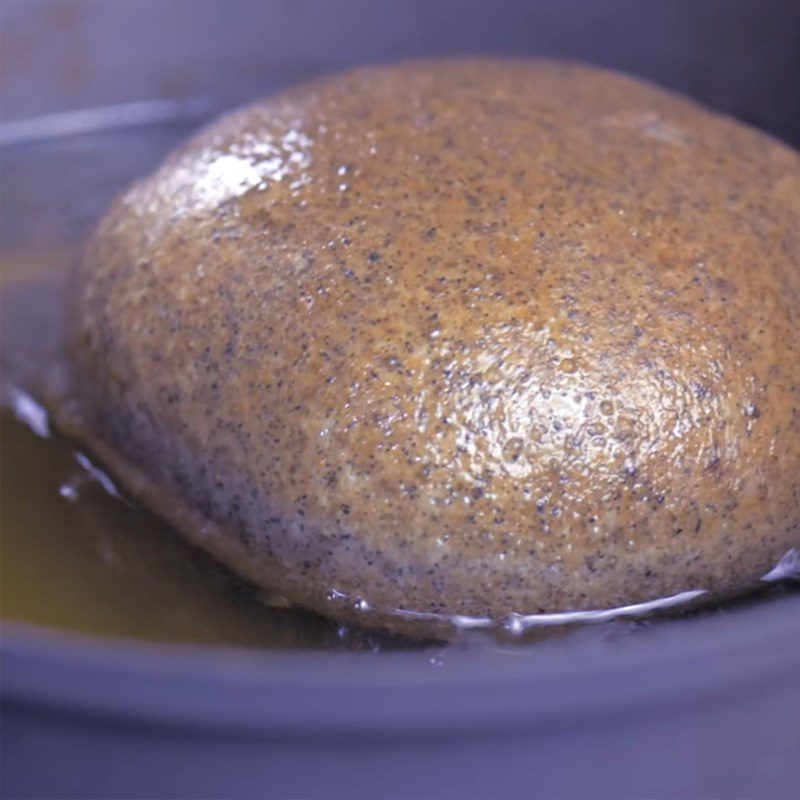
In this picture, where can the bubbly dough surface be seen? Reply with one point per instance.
(462, 337)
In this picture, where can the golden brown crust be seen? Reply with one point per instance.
(466, 337)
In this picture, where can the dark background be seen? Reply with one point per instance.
(740, 56)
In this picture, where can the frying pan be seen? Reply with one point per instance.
(93, 94)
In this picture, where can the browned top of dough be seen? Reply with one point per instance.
(469, 337)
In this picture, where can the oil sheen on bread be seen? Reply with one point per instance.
(457, 339)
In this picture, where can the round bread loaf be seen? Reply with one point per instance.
(464, 338)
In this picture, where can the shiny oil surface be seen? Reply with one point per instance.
(94, 564)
